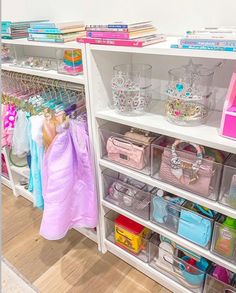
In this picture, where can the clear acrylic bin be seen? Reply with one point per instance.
(128, 235)
(179, 168)
(183, 218)
(131, 88)
(170, 261)
(117, 146)
(69, 61)
(36, 62)
(228, 183)
(8, 54)
(189, 94)
(214, 285)
(224, 238)
(165, 211)
(127, 193)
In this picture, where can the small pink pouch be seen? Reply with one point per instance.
(126, 153)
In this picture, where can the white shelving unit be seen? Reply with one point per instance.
(98, 62)
(39, 48)
(101, 60)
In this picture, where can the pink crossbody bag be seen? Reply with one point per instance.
(187, 170)
(126, 153)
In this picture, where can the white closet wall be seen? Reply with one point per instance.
(171, 16)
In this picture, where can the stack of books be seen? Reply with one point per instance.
(56, 32)
(218, 39)
(137, 34)
(16, 30)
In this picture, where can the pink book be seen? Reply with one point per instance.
(128, 43)
(107, 35)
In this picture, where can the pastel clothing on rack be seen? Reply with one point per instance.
(59, 168)
(20, 142)
(8, 121)
(37, 153)
(68, 183)
(85, 209)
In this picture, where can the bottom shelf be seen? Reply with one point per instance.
(6, 182)
(24, 192)
(145, 268)
(89, 233)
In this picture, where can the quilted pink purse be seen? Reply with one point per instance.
(186, 169)
(126, 153)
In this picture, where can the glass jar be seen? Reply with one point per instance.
(131, 88)
(189, 92)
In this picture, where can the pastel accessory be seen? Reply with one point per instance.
(187, 169)
(126, 152)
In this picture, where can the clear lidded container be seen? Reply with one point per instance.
(189, 92)
(131, 88)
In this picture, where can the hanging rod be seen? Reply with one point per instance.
(43, 80)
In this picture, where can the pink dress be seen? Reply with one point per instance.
(68, 184)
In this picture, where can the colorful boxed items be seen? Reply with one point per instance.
(130, 235)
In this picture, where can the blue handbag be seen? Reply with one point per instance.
(195, 227)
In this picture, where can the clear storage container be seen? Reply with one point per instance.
(171, 261)
(224, 238)
(119, 146)
(69, 61)
(128, 235)
(165, 210)
(188, 220)
(185, 166)
(228, 183)
(127, 193)
(131, 88)
(189, 93)
(214, 283)
(8, 54)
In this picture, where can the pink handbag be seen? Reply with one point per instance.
(126, 152)
(186, 169)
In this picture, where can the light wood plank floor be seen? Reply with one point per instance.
(71, 265)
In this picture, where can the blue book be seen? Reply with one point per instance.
(60, 26)
(210, 48)
(208, 42)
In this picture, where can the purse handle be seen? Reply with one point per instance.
(176, 162)
(115, 139)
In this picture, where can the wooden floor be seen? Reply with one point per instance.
(70, 265)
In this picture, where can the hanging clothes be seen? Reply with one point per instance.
(68, 183)
(37, 153)
(20, 142)
(59, 175)
(85, 209)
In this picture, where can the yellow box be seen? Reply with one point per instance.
(129, 234)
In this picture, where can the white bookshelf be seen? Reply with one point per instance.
(48, 74)
(101, 60)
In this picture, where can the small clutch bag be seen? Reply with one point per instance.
(126, 152)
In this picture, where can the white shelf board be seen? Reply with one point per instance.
(218, 207)
(25, 42)
(164, 48)
(6, 181)
(89, 233)
(145, 268)
(23, 192)
(48, 74)
(172, 236)
(23, 171)
(155, 121)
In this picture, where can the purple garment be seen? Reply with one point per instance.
(68, 184)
